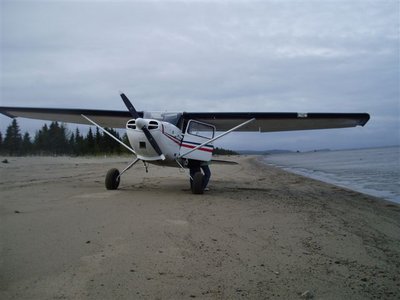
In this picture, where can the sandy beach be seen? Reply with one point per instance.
(259, 233)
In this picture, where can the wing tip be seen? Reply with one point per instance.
(364, 120)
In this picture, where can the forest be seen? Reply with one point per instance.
(57, 139)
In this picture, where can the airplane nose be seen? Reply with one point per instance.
(140, 123)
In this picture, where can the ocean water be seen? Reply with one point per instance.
(374, 171)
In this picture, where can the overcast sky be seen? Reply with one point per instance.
(278, 56)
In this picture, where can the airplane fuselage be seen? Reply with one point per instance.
(167, 136)
(171, 140)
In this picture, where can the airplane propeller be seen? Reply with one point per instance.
(151, 140)
(130, 106)
(141, 125)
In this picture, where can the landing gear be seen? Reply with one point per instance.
(113, 176)
(112, 179)
(197, 183)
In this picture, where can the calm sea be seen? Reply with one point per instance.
(374, 171)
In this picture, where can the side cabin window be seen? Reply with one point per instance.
(200, 129)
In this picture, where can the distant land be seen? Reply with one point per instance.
(274, 151)
(263, 152)
(278, 151)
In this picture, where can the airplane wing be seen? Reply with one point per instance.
(223, 121)
(269, 122)
(107, 118)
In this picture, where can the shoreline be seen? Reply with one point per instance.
(260, 232)
(372, 171)
(382, 195)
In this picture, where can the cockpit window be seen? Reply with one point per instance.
(201, 129)
(170, 117)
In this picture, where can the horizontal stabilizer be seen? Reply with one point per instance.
(223, 162)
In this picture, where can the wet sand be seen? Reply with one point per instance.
(259, 233)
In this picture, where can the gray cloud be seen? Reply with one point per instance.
(210, 56)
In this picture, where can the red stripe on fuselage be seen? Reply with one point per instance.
(175, 140)
(186, 145)
(192, 147)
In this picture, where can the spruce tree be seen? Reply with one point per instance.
(97, 141)
(78, 143)
(58, 143)
(37, 142)
(63, 139)
(45, 140)
(42, 142)
(90, 142)
(26, 144)
(13, 139)
(71, 144)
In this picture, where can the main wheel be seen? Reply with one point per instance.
(197, 185)
(112, 179)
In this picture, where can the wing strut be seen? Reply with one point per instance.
(217, 137)
(109, 134)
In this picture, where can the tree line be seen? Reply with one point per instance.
(57, 139)
(222, 151)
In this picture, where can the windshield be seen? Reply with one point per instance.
(170, 117)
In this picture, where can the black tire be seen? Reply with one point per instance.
(112, 179)
(197, 185)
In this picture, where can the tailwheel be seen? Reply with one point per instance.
(197, 184)
(112, 179)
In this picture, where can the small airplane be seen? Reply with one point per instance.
(175, 139)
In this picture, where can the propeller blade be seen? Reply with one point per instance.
(151, 140)
(130, 106)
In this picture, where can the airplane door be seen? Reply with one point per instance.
(196, 134)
